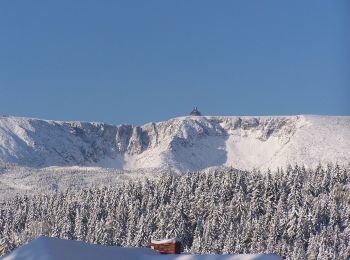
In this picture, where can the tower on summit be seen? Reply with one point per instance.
(195, 112)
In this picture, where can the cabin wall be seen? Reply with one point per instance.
(168, 248)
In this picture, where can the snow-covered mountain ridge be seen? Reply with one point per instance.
(181, 144)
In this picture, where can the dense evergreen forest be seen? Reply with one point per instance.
(295, 213)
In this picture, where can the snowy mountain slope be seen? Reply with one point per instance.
(54, 248)
(27, 180)
(180, 144)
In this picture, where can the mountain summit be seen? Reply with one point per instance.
(195, 112)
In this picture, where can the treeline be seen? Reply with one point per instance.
(295, 213)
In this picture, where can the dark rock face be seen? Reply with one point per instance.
(123, 136)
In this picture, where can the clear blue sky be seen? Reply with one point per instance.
(141, 61)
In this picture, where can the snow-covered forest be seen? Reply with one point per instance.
(295, 213)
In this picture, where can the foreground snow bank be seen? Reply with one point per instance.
(44, 248)
(55, 248)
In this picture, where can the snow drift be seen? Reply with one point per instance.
(46, 248)
(181, 144)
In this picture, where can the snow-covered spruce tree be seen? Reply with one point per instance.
(294, 212)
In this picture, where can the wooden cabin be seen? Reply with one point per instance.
(166, 246)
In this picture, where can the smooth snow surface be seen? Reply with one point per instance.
(181, 144)
(46, 248)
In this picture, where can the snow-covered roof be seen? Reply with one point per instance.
(164, 241)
